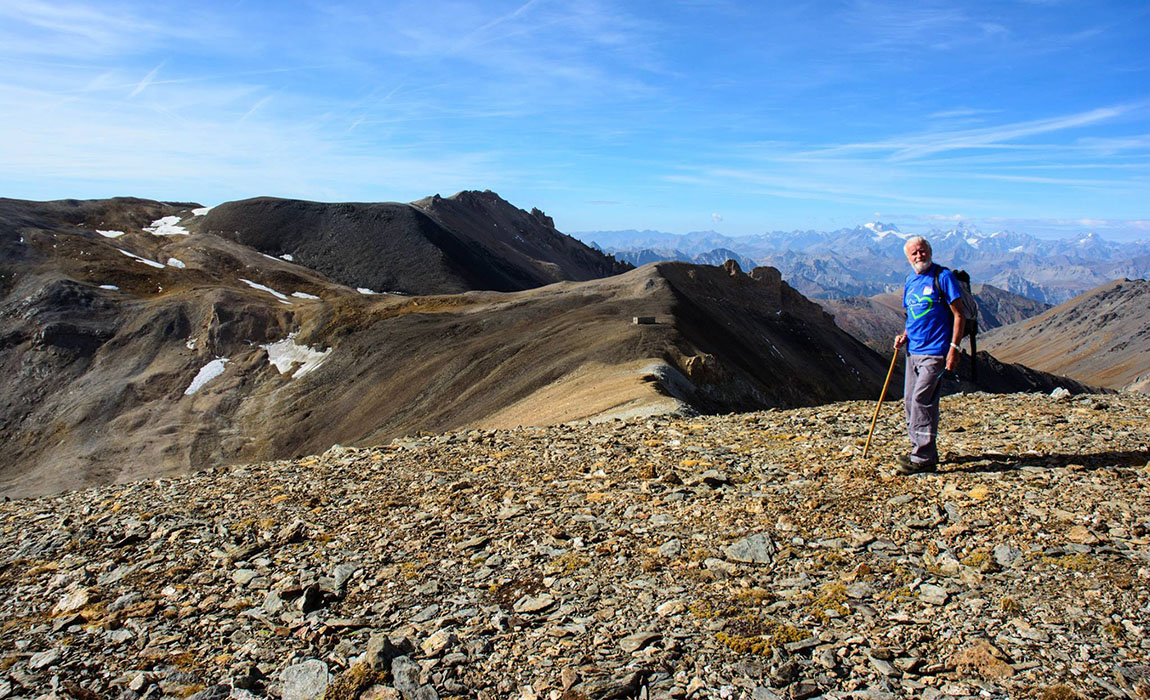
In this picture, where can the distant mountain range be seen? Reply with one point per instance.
(868, 259)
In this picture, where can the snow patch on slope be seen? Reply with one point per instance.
(285, 355)
(133, 256)
(167, 226)
(206, 374)
(269, 290)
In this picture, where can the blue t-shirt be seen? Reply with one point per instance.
(929, 321)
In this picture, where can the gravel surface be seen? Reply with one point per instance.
(742, 556)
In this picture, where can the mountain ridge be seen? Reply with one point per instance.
(426, 247)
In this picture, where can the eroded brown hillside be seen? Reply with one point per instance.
(1101, 337)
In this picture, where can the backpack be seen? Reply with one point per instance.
(969, 306)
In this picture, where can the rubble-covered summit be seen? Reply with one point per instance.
(740, 556)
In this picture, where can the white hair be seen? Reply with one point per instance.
(916, 239)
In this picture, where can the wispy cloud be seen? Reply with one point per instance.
(918, 146)
(964, 112)
(1062, 181)
(81, 34)
(146, 81)
(902, 27)
(483, 35)
(1118, 228)
(214, 151)
(71, 27)
(260, 103)
(847, 187)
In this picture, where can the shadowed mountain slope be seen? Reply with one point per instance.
(1101, 337)
(473, 240)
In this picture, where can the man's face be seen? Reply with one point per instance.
(918, 255)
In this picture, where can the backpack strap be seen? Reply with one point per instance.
(937, 272)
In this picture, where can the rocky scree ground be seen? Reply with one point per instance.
(740, 556)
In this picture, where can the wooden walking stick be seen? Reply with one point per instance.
(880, 398)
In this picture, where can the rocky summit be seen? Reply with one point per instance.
(752, 555)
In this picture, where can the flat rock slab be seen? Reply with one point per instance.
(533, 604)
(755, 549)
(933, 595)
(307, 680)
(634, 642)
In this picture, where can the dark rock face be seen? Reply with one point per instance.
(774, 346)
(998, 307)
(997, 377)
(434, 246)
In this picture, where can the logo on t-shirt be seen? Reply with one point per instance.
(919, 306)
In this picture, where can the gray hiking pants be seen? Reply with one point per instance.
(922, 388)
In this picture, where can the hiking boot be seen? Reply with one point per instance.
(906, 467)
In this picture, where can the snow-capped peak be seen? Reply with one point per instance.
(881, 231)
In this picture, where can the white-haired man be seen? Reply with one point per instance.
(934, 323)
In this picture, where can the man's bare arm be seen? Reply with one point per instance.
(956, 334)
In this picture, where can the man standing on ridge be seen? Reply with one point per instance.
(934, 324)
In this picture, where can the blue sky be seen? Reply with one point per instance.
(740, 117)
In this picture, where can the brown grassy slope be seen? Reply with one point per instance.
(1101, 337)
